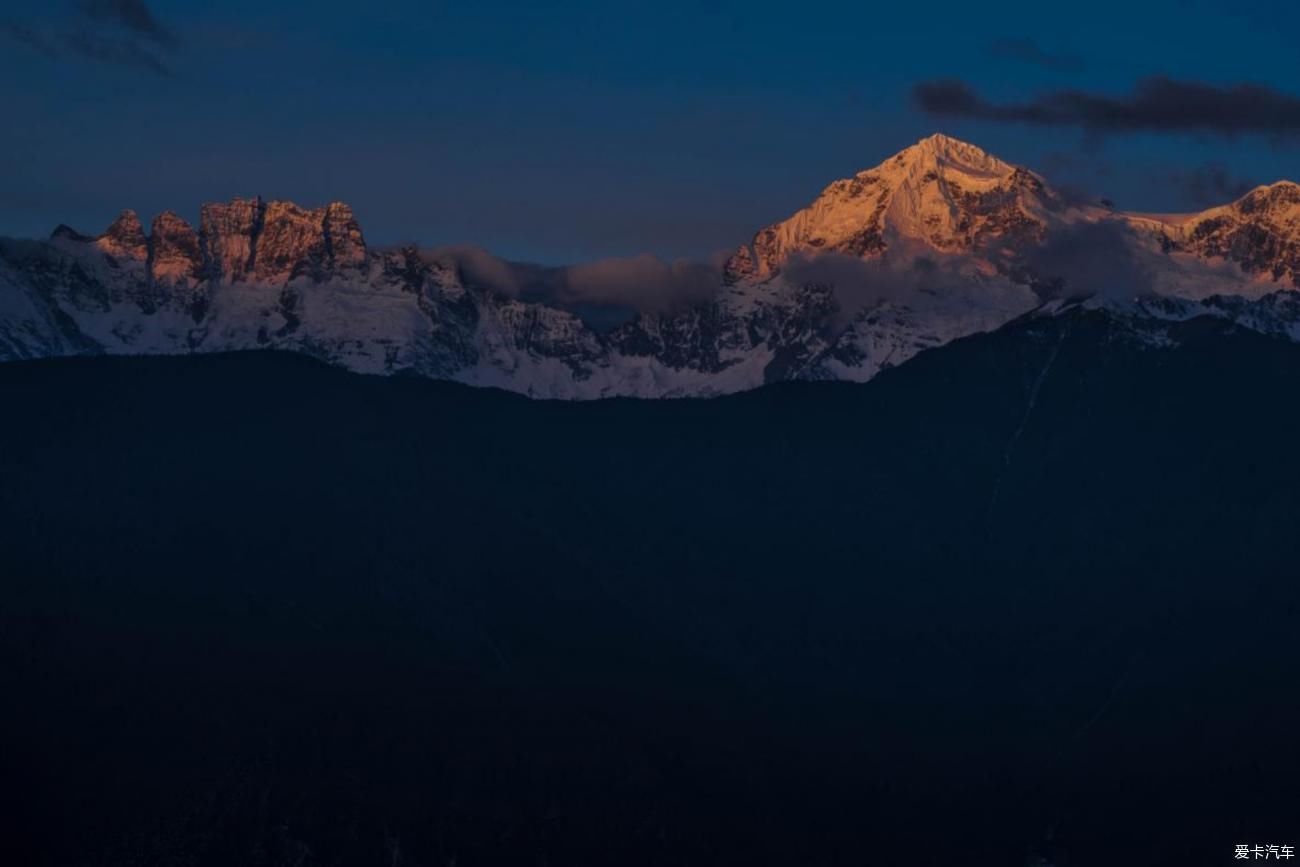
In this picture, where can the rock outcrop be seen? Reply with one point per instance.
(176, 253)
(125, 239)
(228, 233)
(344, 242)
(291, 244)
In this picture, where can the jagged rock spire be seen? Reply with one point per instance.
(243, 239)
(177, 255)
(347, 246)
(125, 238)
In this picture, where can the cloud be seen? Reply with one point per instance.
(114, 32)
(858, 284)
(909, 274)
(30, 37)
(642, 283)
(115, 51)
(477, 267)
(132, 15)
(1264, 15)
(1156, 105)
(1210, 184)
(1090, 259)
(1029, 51)
(871, 281)
(1083, 260)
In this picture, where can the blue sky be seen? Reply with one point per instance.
(558, 132)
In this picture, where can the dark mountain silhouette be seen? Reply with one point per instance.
(1031, 595)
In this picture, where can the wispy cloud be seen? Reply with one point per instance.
(644, 283)
(122, 33)
(1091, 259)
(131, 15)
(115, 51)
(1210, 184)
(29, 37)
(1028, 51)
(1156, 105)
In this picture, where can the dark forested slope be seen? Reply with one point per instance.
(1030, 594)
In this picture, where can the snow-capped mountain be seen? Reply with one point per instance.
(1254, 240)
(944, 194)
(940, 241)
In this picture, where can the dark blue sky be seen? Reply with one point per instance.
(571, 130)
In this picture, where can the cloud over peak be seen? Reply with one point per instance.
(641, 283)
(1157, 104)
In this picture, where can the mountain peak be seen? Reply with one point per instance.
(946, 194)
(177, 255)
(943, 150)
(1259, 232)
(125, 238)
(1281, 196)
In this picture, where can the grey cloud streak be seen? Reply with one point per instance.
(1028, 51)
(1156, 104)
(122, 33)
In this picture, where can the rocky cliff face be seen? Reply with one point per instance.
(176, 253)
(228, 235)
(344, 243)
(275, 242)
(940, 241)
(295, 242)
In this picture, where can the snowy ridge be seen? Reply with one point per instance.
(1259, 235)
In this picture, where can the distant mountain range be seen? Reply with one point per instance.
(937, 242)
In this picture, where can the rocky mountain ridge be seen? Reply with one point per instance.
(938, 242)
(244, 239)
(1259, 233)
